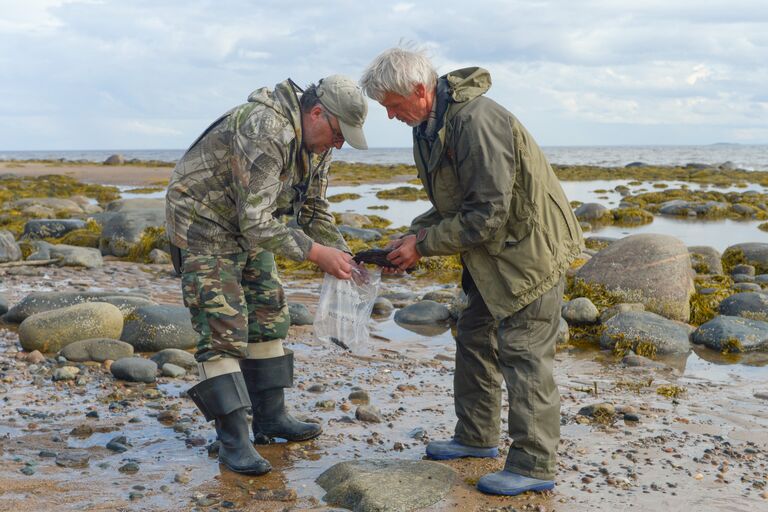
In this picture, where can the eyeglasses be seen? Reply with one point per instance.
(337, 135)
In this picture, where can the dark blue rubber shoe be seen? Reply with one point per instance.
(446, 450)
(511, 484)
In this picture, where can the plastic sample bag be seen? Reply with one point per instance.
(345, 308)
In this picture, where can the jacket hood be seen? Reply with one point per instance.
(468, 83)
(283, 99)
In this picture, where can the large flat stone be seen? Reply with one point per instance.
(386, 485)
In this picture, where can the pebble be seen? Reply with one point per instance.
(129, 468)
(35, 357)
(118, 444)
(317, 388)
(28, 470)
(73, 459)
(326, 404)
(65, 373)
(360, 397)
(369, 413)
(180, 478)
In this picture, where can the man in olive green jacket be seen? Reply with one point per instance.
(497, 203)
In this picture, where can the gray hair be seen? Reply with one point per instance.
(397, 71)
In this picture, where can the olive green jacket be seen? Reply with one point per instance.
(496, 200)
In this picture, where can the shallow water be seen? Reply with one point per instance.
(717, 233)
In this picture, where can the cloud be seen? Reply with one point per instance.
(161, 70)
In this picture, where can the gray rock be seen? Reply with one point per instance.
(732, 334)
(754, 253)
(591, 212)
(300, 315)
(154, 328)
(53, 330)
(71, 459)
(55, 204)
(654, 270)
(366, 235)
(458, 304)
(612, 311)
(360, 396)
(368, 413)
(159, 257)
(762, 279)
(638, 328)
(442, 296)
(563, 332)
(592, 410)
(116, 159)
(424, 312)
(173, 371)
(68, 255)
(134, 369)
(599, 242)
(400, 299)
(386, 485)
(635, 360)
(382, 307)
(65, 373)
(742, 278)
(50, 228)
(9, 249)
(747, 287)
(4, 305)
(176, 357)
(675, 207)
(355, 220)
(40, 302)
(97, 349)
(743, 269)
(580, 311)
(705, 259)
(123, 229)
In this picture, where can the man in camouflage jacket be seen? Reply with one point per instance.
(262, 159)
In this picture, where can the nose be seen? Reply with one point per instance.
(390, 113)
(337, 144)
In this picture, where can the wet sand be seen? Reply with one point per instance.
(705, 450)
(134, 175)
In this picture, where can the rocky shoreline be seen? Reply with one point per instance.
(660, 366)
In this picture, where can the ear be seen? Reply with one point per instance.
(316, 111)
(420, 91)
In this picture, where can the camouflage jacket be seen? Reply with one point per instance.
(228, 190)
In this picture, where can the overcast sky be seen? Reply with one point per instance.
(151, 74)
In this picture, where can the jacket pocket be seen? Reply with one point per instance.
(571, 230)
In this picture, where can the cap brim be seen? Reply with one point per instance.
(353, 135)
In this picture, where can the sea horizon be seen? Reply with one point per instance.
(738, 155)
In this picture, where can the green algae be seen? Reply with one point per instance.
(712, 176)
(403, 194)
(350, 172)
(337, 198)
(704, 306)
(151, 238)
(671, 391)
(763, 226)
(144, 190)
(13, 188)
(631, 216)
(85, 237)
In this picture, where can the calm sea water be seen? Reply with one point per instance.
(752, 157)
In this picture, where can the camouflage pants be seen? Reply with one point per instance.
(234, 299)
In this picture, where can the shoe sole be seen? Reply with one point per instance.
(251, 472)
(515, 492)
(260, 437)
(461, 456)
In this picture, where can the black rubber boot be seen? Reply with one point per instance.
(225, 399)
(266, 380)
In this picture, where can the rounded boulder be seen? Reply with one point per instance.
(154, 328)
(652, 269)
(53, 330)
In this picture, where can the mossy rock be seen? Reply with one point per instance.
(151, 238)
(403, 194)
(337, 198)
(754, 253)
(631, 216)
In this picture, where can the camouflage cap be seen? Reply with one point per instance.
(344, 99)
